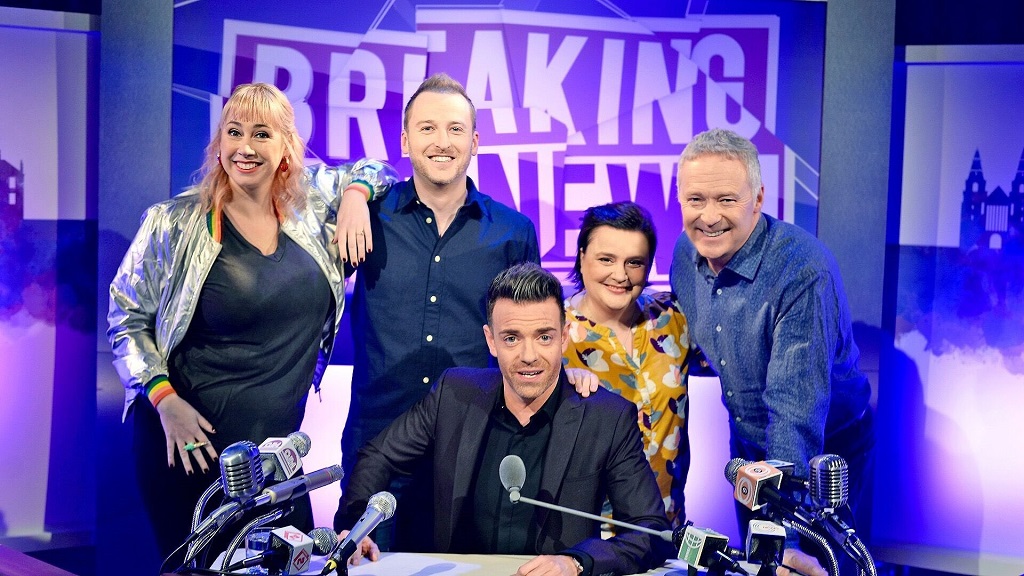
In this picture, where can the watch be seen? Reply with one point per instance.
(576, 561)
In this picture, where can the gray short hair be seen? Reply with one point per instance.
(719, 142)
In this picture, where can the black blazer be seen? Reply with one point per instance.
(595, 451)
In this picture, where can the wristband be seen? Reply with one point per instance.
(157, 389)
(363, 187)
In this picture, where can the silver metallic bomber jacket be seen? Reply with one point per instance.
(156, 288)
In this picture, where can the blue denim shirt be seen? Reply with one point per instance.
(775, 325)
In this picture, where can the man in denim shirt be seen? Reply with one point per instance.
(765, 303)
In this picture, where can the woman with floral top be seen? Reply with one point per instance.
(635, 341)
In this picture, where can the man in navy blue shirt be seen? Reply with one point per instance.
(766, 305)
(420, 294)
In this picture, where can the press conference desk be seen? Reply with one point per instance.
(412, 564)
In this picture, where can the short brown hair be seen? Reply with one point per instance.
(439, 83)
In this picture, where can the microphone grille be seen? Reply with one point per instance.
(301, 441)
(384, 502)
(512, 472)
(732, 469)
(335, 472)
(324, 540)
(241, 470)
(829, 483)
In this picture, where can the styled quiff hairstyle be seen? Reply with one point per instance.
(628, 216)
(719, 142)
(263, 104)
(525, 282)
(439, 83)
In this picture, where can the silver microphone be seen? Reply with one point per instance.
(379, 508)
(324, 540)
(241, 471)
(512, 473)
(829, 481)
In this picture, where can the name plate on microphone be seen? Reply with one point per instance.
(294, 551)
(750, 479)
(284, 455)
(699, 544)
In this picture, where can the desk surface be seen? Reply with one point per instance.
(14, 563)
(412, 564)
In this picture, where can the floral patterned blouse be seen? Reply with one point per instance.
(653, 377)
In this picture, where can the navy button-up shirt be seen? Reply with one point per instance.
(419, 303)
(775, 325)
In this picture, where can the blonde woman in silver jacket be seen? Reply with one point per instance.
(225, 308)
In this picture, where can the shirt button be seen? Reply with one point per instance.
(729, 393)
(739, 419)
(430, 338)
(718, 328)
(719, 291)
(429, 219)
(721, 362)
(433, 298)
(437, 258)
(426, 380)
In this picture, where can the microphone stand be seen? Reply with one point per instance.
(818, 539)
(515, 497)
(197, 517)
(845, 537)
(253, 524)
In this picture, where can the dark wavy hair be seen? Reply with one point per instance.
(525, 282)
(620, 215)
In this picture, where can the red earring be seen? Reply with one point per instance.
(284, 165)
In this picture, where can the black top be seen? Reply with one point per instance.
(246, 362)
(492, 522)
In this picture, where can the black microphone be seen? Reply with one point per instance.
(765, 542)
(296, 487)
(282, 457)
(829, 481)
(757, 484)
(289, 548)
(512, 473)
(379, 508)
(241, 471)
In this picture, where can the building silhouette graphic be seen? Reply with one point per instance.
(12, 195)
(991, 220)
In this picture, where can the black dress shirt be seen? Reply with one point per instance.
(492, 522)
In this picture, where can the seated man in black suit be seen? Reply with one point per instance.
(577, 451)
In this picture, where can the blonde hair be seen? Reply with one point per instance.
(265, 104)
